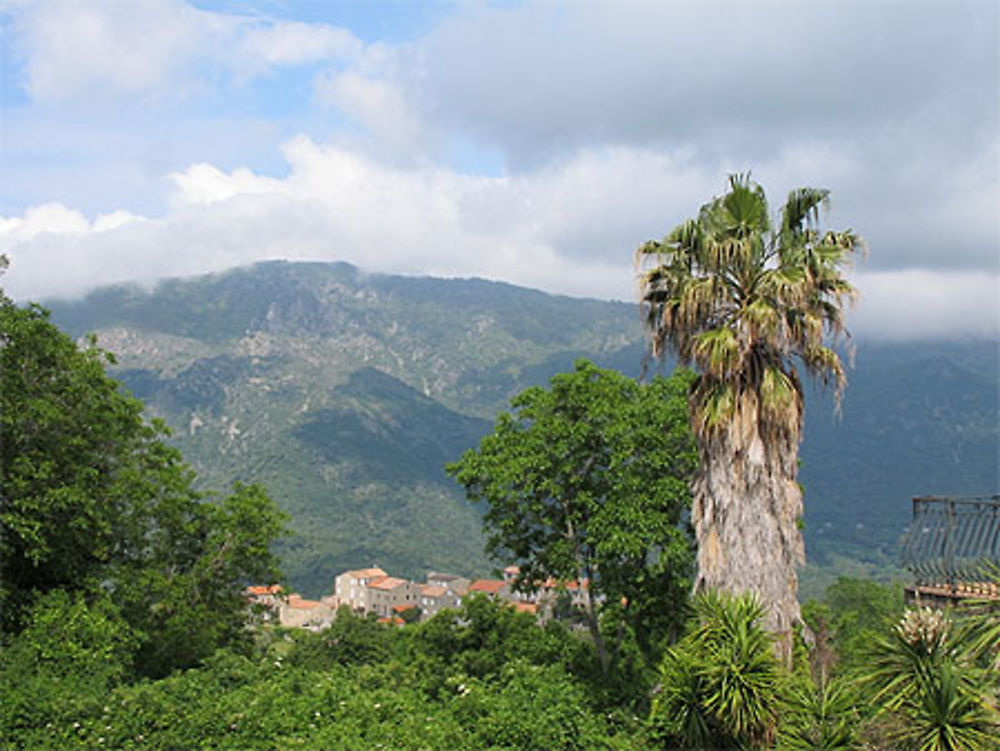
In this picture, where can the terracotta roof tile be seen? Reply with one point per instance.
(488, 586)
(294, 601)
(386, 582)
(365, 573)
(260, 591)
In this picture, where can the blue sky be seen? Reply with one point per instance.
(534, 142)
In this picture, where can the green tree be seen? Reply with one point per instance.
(742, 299)
(70, 446)
(187, 596)
(94, 501)
(586, 481)
(854, 613)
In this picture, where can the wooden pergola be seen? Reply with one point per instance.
(950, 546)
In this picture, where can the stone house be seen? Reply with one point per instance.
(310, 614)
(496, 589)
(458, 584)
(434, 598)
(351, 587)
(385, 593)
(265, 602)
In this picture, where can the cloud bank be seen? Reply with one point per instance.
(538, 143)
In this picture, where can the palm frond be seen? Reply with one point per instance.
(802, 208)
(781, 291)
(780, 398)
(712, 404)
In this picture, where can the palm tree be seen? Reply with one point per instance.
(745, 301)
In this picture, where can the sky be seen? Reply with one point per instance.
(532, 142)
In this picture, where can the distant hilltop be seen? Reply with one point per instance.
(345, 393)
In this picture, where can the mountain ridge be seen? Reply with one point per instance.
(339, 389)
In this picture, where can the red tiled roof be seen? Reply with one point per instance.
(294, 601)
(365, 573)
(260, 591)
(386, 582)
(432, 590)
(488, 586)
(526, 607)
(403, 608)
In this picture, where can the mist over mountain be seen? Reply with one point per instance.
(345, 393)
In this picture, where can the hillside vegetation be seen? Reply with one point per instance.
(147, 640)
(345, 393)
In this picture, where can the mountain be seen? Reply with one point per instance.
(918, 418)
(345, 393)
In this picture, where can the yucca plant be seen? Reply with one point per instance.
(926, 680)
(719, 684)
(819, 716)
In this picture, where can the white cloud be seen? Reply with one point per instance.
(205, 184)
(924, 304)
(114, 220)
(57, 219)
(570, 228)
(376, 103)
(80, 52)
(295, 43)
(610, 123)
(46, 218)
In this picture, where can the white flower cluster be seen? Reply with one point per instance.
(926, 627)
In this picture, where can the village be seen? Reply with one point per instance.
(399, 601)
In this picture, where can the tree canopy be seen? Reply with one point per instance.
(94, 502)
(586, 482)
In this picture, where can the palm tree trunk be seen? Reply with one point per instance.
(746, 512)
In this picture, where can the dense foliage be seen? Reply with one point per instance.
(585, 482)
(97, 508)
(484, 678)
(124, 624)
(487, 677)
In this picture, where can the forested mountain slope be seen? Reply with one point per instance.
(345, 393)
